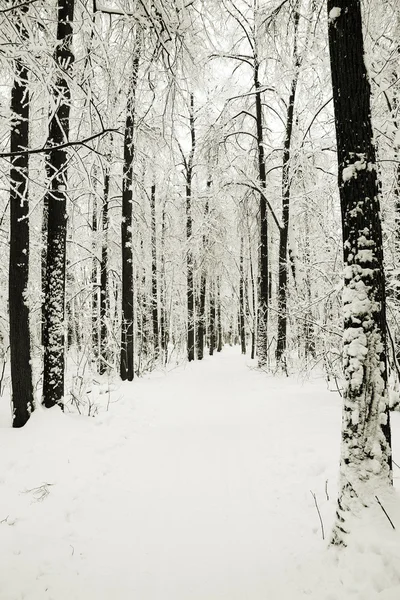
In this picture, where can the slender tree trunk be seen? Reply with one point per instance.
(95, 284)
(262, 333)
(56, 166)
(284, 230)
(127, 328)
(219, 316)
(21, 371)
(163, 312)
(154, 274)
(366, 463)
(189, 255)
(212, 319)
(242, 310)
(201, 321)
(104, 291)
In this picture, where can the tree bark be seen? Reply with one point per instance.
(201, 321)
(20, 350)
(189, 224)
(242, 309)
(212, 319)
(104, 291)
(263, 299)
(127, 323)
(284, 230)
(366, 463)
(154, 274)
(56, 197)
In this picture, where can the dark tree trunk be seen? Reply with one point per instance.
(21, 371)
(211, 327)
(163, 312)
(242, 309)
(104, 291)
(127, 323)
(95, 285)
(253, 303)
(219, 316)
(263, 299)
(154, 275)
(43, 265)
(366, 463)
(189, 241)
(309, 334)
(284, 230)
(56, 166)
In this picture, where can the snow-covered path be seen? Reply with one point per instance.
(194, 485)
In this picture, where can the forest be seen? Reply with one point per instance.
(200, 218)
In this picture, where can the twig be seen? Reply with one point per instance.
(326, 490)
(395, 463)
(319, 514)
(389, 519)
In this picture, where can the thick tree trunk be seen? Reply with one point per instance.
(189, 254)
(366, 463)
(21, 370)
(284, 230)
(56, 166)
(154, 274)
(127, 323)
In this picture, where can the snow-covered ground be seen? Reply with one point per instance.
(194, 485)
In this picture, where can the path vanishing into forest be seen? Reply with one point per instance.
(195, 484)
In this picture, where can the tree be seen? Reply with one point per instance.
(56, 199)
(20, 339)
(366, 463)
(127, 330)
(286, 186)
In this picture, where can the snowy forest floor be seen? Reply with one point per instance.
(193, 485)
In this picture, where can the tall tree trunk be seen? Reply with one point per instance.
(211, 328)
(189, 254)
(127, 323)
(284, 230)
(219, 316)
(20, 339)
(163, 313)
(263, 299)
(201, 320)
(56, 166)
(154, 274)
(95, 281)
(242, 310)
(366, 463)
(104, 291)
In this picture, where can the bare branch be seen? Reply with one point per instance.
(60, 146)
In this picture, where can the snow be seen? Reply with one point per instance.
(334, 13)
(195, 484)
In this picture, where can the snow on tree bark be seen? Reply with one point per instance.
(366, 463)
(56, 166)
(263, 298)
(189, 241)
(127, 328)
(21, 371)
(286, 185)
